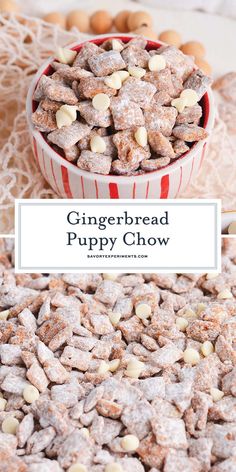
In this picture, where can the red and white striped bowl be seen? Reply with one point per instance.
(70, 182)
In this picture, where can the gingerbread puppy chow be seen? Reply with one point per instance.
(155, 96)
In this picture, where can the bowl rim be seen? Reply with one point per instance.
(148, 176)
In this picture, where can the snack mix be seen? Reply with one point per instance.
(118, 373)
(119, 108)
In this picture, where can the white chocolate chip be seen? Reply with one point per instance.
(232, 228)
(113, 467)
(181, 323)
(103, 367)
(207, 348)
(113, 81)
(190, 96)
(179, 103)
(97, 144)
(129, 443)
(141, 136)
(10, 425)
(200, 308)
(66, 115)
(111, 276)
(116, 45)
(114, 364)
(65, 56)
(216, 394)
(191, 356)
(225, 294)
(114, 318)
(156, 63)
(137, 72)
(143, 311)
(1, 395)
(124, 74)
(3, 403)
(77, 468)
(30, 394)
(101, 102)
(134, 368)
(211, 276)
(4, 315)
(85, 431)
(189, 314)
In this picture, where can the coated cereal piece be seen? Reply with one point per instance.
(137, 418)
(108, 292)
(90, 87)
(86, 282)
(94, 162)
(189, 133)
(126, 114)
(55, 371)
(177, 462)
(51, 328)
(224, 439)
(131, 463)
(51, 413)
(152, 387)
(43, 352)
(44, 121)
(160, 119)
(180, 394)
(13, 383)
(70, 73)
(128, 149)
(10, 354)
(60, 338)
(109, 409)
(229, 382)
(106, 63)
(225, 466)
(8, 441)
(93, 397)
(28, 358)
(88, 49)
(37, 377)
(40, 440)
(160, 144)
(162, 98)
(190, 115)
(104, 430)
(40, 91)
(196, 415)
(207, 373)
(101, 324)
(68, 394)
(138, 91)
(162, 80)
(71, 153)
(131, 329)
(169, 432)
(180, 147)
(44, 311)
(123, 168)
(120, 391)
(201, 449)
(83, 343)
(223, 410)
(25, 429)
(202, 331)
(94, 117)
(27, 319)
(60, 93)
(108, 44)
(134, 56)
(50, 105)
(166, 356)
(9, 461)
(76, 358)
(179, 63)
(69, 135)
(198, 82)
(76, 448)
(151, 453)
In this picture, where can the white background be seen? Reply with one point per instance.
(42, 227)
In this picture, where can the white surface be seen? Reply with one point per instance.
(223, 7)
(216, 32)
(106, 245)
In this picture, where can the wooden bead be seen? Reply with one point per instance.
(56, 18)
(204, 66)
(101, 22)
(138, 19)
(171, 37)
(193, 48)
(79, 19)
(8, 6)
(120, 21)
(146, 32)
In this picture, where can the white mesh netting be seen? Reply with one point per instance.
(24, 44)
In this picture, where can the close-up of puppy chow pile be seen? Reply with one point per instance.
(117, 372)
